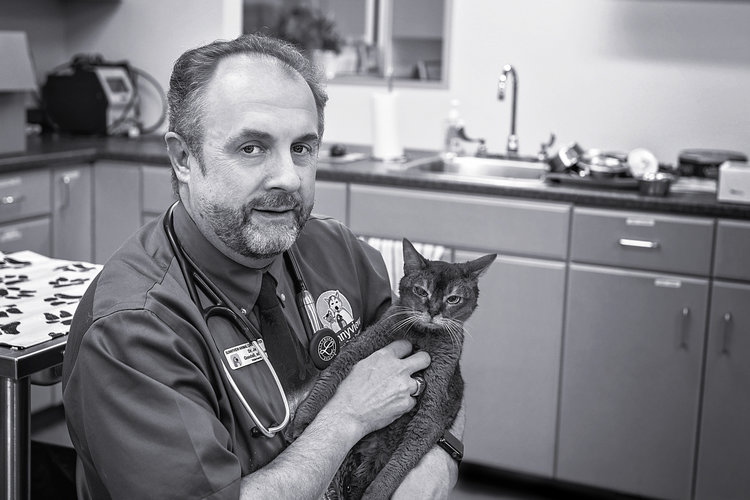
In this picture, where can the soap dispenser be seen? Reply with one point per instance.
(453, 126)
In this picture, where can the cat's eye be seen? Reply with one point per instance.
(453, 299)
(419, 291)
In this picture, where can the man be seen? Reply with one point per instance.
(150, 408)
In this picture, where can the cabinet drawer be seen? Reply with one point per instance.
(24, 195)
(32, 235)
(157, 189)
(640, 240)
(732, 258)
(466, 221)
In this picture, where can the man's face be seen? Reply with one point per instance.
(260, 147)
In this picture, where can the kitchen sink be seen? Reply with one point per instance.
(480, 168)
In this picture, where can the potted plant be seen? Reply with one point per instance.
(313, 33)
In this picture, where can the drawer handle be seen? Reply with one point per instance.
(685, 329)
(627, 242)
(11, 200)
(727, 318)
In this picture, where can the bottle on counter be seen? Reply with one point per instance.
(453, 125)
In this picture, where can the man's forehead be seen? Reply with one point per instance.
(252, 68)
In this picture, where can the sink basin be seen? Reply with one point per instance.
(490, 168)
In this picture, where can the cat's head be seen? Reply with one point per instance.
(441, 295)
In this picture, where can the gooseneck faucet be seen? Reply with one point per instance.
(508, 70)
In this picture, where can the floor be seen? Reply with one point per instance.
(53, 473)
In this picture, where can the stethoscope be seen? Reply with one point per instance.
(324, 344)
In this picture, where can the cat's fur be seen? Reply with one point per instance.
(425, 315)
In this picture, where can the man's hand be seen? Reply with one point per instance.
(433, 478)
(378, 389)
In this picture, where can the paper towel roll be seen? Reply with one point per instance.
(386, 144)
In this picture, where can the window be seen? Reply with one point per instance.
(408, 37)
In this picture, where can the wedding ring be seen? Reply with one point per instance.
(421, 384)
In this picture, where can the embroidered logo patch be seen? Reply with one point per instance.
(335, 312)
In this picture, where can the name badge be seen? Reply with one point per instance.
(243, 355)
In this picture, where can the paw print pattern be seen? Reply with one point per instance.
(64, 318)
(76, 267)
(9, 309)
(9, 289)
(10, 328)
(62, 282)
(11, 263)
(61, 299)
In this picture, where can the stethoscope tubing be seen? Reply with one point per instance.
(222, 303)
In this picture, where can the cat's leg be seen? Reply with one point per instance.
(436, 413)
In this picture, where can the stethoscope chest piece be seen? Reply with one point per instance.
(324, 347)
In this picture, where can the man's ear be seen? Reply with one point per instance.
(179, 155)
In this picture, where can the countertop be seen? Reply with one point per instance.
(61, 150)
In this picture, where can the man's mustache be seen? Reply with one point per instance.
(272, 200)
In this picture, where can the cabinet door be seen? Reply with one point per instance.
(117, 206)
(71, 213)
(330, 199)
(724, 451)
(156, 186)
(511, 364)
(630, 380)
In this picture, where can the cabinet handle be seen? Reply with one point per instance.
(627, 242)
(727, 318)
(11, 200)
(65, 180)
(685, 330)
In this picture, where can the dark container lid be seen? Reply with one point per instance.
(709, 157)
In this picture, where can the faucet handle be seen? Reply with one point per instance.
(542, 155)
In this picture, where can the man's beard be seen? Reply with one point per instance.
(238, 231)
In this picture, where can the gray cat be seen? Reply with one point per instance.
(436, 298)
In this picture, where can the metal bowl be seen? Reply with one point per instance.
(655, 184)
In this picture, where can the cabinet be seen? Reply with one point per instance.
(511, 364)
(724, 449)
(511, 358)
(25, 210)
(117, 206)
(331, 200)
(156, 186)
(72, 213)
(632, 354)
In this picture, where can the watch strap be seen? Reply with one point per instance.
(452, 445)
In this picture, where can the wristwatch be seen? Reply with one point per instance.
(452, 445)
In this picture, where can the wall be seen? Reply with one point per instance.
(45, 30)
(149, 34)
(611, 74)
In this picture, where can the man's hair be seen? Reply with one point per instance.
(194, 69)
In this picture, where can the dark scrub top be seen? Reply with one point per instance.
(148, 407)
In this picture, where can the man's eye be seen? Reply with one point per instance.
(301, 148)
(251, 149)
(419, 291)
(453, 299)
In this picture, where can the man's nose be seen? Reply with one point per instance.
(282, 173)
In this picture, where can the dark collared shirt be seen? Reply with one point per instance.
(149, 410)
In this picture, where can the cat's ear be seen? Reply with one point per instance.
(413, 261)
(480, 265)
